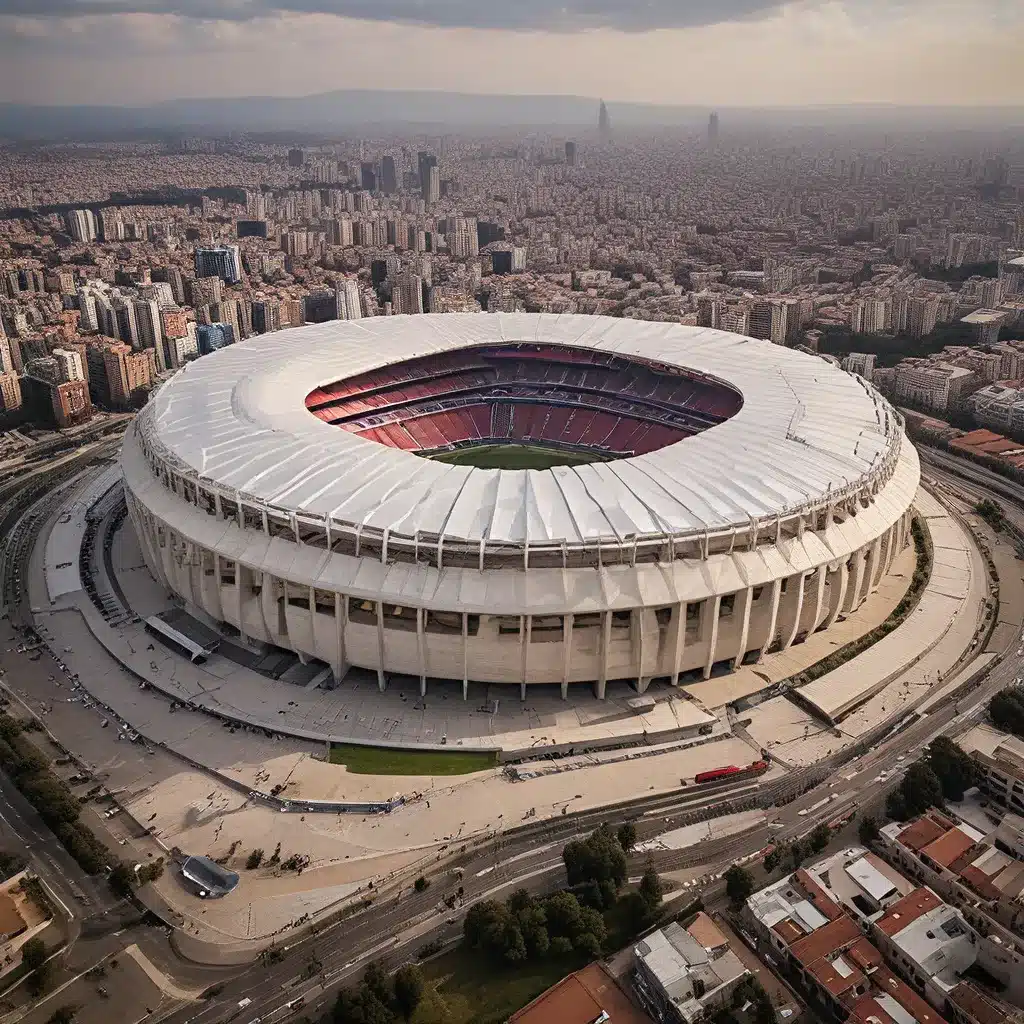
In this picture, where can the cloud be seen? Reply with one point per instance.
(516, 15)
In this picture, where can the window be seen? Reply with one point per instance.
(758, 591)
(726, 606)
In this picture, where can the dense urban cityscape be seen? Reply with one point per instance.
(797, 789)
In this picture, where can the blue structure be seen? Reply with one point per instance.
(223, 261)
(211, 337)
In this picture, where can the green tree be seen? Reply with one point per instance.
(867, 830)
(561, 945)
(797, 851)
(739, 884)
(597, 859)
(773, 858)
(255, 859)
(627, 836)
(421, 884)
(635, 913)
(33, 953)
(1006, 710)
(819, 837)
(360, 1006)
(587, 945)
(919, 790)
(378, 981)
(955, 770)
(651, 890)
(63, 1015)
(122, 879)
(409, 985)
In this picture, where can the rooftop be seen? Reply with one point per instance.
(581, 998)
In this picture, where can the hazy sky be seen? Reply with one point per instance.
(708, 52)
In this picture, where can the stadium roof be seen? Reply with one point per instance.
(808, 433)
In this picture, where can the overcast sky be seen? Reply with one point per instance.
(707, 52)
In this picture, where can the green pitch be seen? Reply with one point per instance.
(515, 456)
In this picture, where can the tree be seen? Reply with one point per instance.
(919, 790)
(955, 770)
(360, 1006)
(819, 837)
(63, 1015)
(867, 830)
(627, 836)
(561, 946)
(421, 884)
(587, 945)
(409, 985)
(33, 954)
(797, 852)
(255, 859)
(773, 858)
(1006, 710)
(597, 859)
(651, 890)
(378, 981)
(739, 884)
(122, 879)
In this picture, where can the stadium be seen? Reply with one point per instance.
(528, 499)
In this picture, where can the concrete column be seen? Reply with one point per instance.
(746, 603)
(795, 628)
(606, 642)
(819, 597)
(856, 577)
(525, 627)
(465, 656)
(679, 644)
(773, 619)
(567, 621)
(869, 571)
(710, 627)
(421, 649)
(839, 597)
(340, 666)
(636, 628)
(382, 683)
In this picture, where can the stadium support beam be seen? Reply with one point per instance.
(421, 650)
(838, 596)
(819, 597)
(679, 644)
(525, 627)
(340, 666)
(465, 656)
(746, 603)
(853, 592)
(773, 619)
(864, 587)
(382, 683)
(712, 631)
(567, 630)
(794, 628)
(601, 687)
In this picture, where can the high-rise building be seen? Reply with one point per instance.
(223, 261)
(922, 315)
(150, 331)
(128, 374)
(70, 403)
(368, 176)
(388, 175)
(69, 365)
(211, 337)
(6, 355)
(571, 155)
(713, 128)
(295, 158)
(604, 123)
(10, 393)
(407, 294)
(82, 225)
(266, 316)
(427, 165)
(346, 300)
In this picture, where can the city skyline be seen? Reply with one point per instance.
(793, 54)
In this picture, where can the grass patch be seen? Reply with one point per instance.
(464, 989)
(383, 761)
(515, 456)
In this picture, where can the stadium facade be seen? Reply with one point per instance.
(713, 497)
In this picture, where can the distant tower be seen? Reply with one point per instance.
(604, 124)
(570, 154)
(713, 131)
